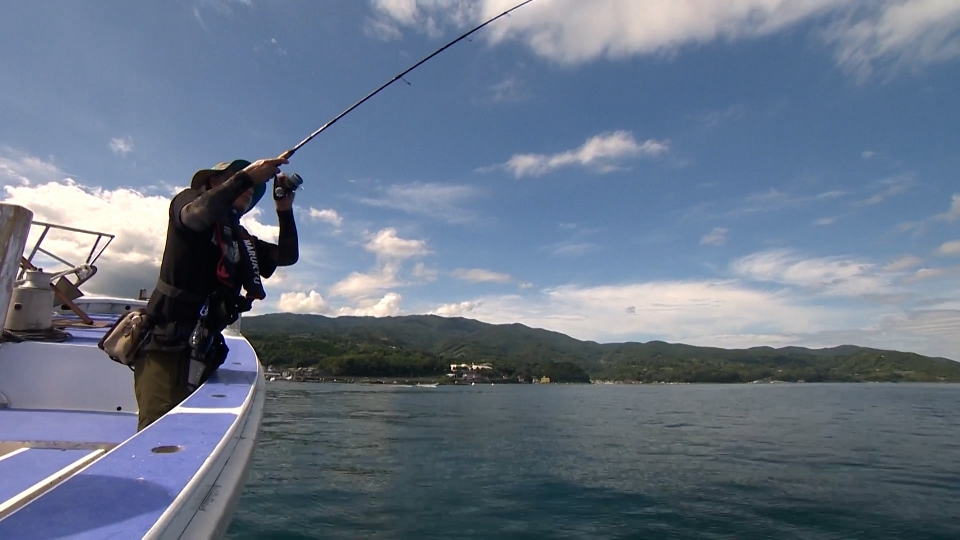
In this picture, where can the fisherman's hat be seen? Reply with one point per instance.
(200, 177)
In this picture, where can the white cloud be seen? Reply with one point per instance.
(299, 302)
(825, 221)
(951, 215)
(867, 154)
(402, 11)
(424, 274)
(25, 169)
(456, 310)
(426, 16)
(864, 34)
(251, 222)
(689, 311)
(438, 201)
(715, 118)
(569, 31)
(903, 33)
(327, 215)
(359, 285)
(387, 306)
(603, 152)
(477, 275)
(728, 313)
(121, 146)
(716, 237)
(830, 275)
(381, 30)
(132, 260)
(509, 90)
(573, 249)
(928, 273)
(890, 187)
(903, 263)
(387, 244)
(950, 248)
(391, 250)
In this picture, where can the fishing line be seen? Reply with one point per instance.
(290, 152)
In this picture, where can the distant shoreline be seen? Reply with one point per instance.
(388, 381)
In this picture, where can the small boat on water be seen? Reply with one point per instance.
(427, 385)
(72, 464)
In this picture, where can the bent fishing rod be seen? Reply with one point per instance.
(290, 152)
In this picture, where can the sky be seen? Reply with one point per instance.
(733, 174)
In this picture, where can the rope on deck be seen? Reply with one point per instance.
(50, 334)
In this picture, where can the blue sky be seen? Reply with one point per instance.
(739, 173)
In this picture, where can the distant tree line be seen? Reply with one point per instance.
(425, 346)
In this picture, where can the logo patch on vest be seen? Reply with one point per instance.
(254, 263)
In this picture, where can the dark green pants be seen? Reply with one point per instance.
(160, 383)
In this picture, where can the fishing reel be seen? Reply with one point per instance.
(285, 184)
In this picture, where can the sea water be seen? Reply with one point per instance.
(605, 461)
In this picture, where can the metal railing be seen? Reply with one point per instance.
(91, 257)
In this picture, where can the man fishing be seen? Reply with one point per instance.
(208, 258)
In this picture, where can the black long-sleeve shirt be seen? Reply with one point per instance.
(191, 253)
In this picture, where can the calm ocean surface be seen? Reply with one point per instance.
(701, 461)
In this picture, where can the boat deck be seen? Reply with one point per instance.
(73, 465)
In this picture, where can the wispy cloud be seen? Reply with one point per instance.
(889, 187)
(951, 215)
(603, 153)
(699, 312)
(919, 227)
(24, 169)
(713, 119)
(196, 14)
(272, 46)
(381, 30)
(770, 200)
(867, 154)
(573, 249)
(865, 36)
(122, 145)
(717, 313)
(898, 33)
(825, 221)
(439, 201)
(836, 276)
(478, 275)
(716, 237)
(422, 273)
(903, 263)
(509, 90)
(950, 248)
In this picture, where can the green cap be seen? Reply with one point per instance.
(200, 178)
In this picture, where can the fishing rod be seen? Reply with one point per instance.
(296, 181)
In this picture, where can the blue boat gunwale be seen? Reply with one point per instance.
(200, 425)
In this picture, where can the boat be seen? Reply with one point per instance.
(427, 385)
(72, 464)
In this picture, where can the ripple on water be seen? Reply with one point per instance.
(699, 461)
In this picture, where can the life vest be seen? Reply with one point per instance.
(238, 265)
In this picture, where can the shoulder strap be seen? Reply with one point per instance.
(167, 289)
